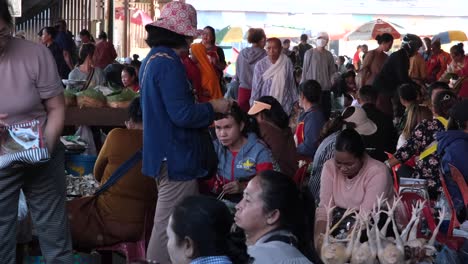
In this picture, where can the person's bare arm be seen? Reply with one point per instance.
(68, 60)
(55, 108)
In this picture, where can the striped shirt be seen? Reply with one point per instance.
(212, 260)
(325, 151)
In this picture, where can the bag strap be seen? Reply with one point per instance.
(290, 240)
(88, 80)
(124, 168)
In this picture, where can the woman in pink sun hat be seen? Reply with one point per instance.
(174, 139)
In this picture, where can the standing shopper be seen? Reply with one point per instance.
(31, 89)
(394, 73)
(319, 65)
(173, 123)
(245, 64)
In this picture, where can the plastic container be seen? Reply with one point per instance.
(79, 165)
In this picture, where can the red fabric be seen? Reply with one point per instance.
(300, 133)
(194, 76)
(264, 166)
(104, 54)
(463, 93)
(136, 88)
(243, 98)
(356, 57)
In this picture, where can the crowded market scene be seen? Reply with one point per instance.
(233, 132)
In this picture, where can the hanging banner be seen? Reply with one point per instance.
(15, 8)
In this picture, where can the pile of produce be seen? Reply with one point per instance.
(90, 98)
(121, 99)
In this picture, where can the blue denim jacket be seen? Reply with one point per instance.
(172, 121)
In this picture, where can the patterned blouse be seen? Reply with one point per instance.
(428, 168)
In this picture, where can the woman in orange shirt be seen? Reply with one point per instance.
(209, 79)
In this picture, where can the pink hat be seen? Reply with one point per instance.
(178, 17)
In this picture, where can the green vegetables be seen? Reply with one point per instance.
(95, 94)
(123, 96)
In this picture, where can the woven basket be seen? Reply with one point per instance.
(70, 101)
(85, 101)
(124, 104)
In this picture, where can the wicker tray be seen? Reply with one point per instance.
(85, 101)
(124, 104)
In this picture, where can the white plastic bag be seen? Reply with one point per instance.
(22, 207)
(85, 133)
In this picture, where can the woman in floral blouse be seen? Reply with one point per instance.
(422, 137)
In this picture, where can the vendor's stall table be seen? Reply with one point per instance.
(105, 116)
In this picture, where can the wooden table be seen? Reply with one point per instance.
(104, 116)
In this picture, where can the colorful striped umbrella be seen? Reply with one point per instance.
(229, 34)
(371, 29)
(449, 36)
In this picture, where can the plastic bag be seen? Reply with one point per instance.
(447, 256)
(22, 143)
(22, 207)
(85, 133)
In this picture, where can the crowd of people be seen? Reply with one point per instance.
(220, 178)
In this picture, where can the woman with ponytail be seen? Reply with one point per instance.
(199, 233)
(277, 220)
(85, 70)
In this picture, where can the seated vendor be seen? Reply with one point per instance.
(241, 154)
(118, 214)
(351, 180)
(130, 78)
(85, 71)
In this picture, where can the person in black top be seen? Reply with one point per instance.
(385, 129)
(395, 73)
(47, 35)
(303, 47)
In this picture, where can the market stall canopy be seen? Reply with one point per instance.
(137, 16)
(372, 29)
(229, 34)
(283, 32)
(449, 36)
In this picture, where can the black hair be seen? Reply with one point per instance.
(212, 32)
(336, 124)
(408, 92)
(411, 43)
(384, 38)
(102, 35)
(5, 14)
(61, 25)
(438, 85)
(368, 94)
(341, 58)
(286, 41)
(457, 49)
(135, 62)
(134, 111)
(85, 51)
(276, 114)
(240, 117)
(132, 71)
(458, 116)
(158, 36)
(86, 33)
(350, 141)
(304, 37)
(358, 47)
(113, 74)
(50, 30)
(207, 222)
(296, 208)
(443, 102)
(311, 90)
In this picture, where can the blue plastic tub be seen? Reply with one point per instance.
(79, 165)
